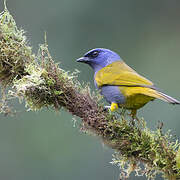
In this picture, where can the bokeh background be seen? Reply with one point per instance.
(45, 145)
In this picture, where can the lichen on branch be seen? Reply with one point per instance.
(41, 83)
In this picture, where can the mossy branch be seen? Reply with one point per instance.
(42, 83)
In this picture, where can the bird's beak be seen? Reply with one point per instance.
(83, 59)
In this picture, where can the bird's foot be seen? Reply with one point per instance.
(112, 108)
(134, 117)
(106, 108)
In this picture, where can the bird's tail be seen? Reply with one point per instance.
(159, 95)
(167, 98)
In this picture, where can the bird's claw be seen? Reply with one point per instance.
(106, 108)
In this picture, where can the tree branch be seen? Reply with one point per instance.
(42, 83)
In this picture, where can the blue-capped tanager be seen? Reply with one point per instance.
(120, 84)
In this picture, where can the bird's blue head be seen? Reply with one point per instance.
(99, 58)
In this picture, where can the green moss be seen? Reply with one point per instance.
(58, 92)
(14, 51)
(152, 148)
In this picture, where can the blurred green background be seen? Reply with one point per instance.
(45, 145)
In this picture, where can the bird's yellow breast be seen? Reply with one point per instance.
(136, 97)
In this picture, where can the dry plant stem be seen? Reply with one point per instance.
(42, 83)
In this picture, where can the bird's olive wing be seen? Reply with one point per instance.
(120, 74)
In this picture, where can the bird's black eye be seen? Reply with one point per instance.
(94, 54)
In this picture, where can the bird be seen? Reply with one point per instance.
(121, 86)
